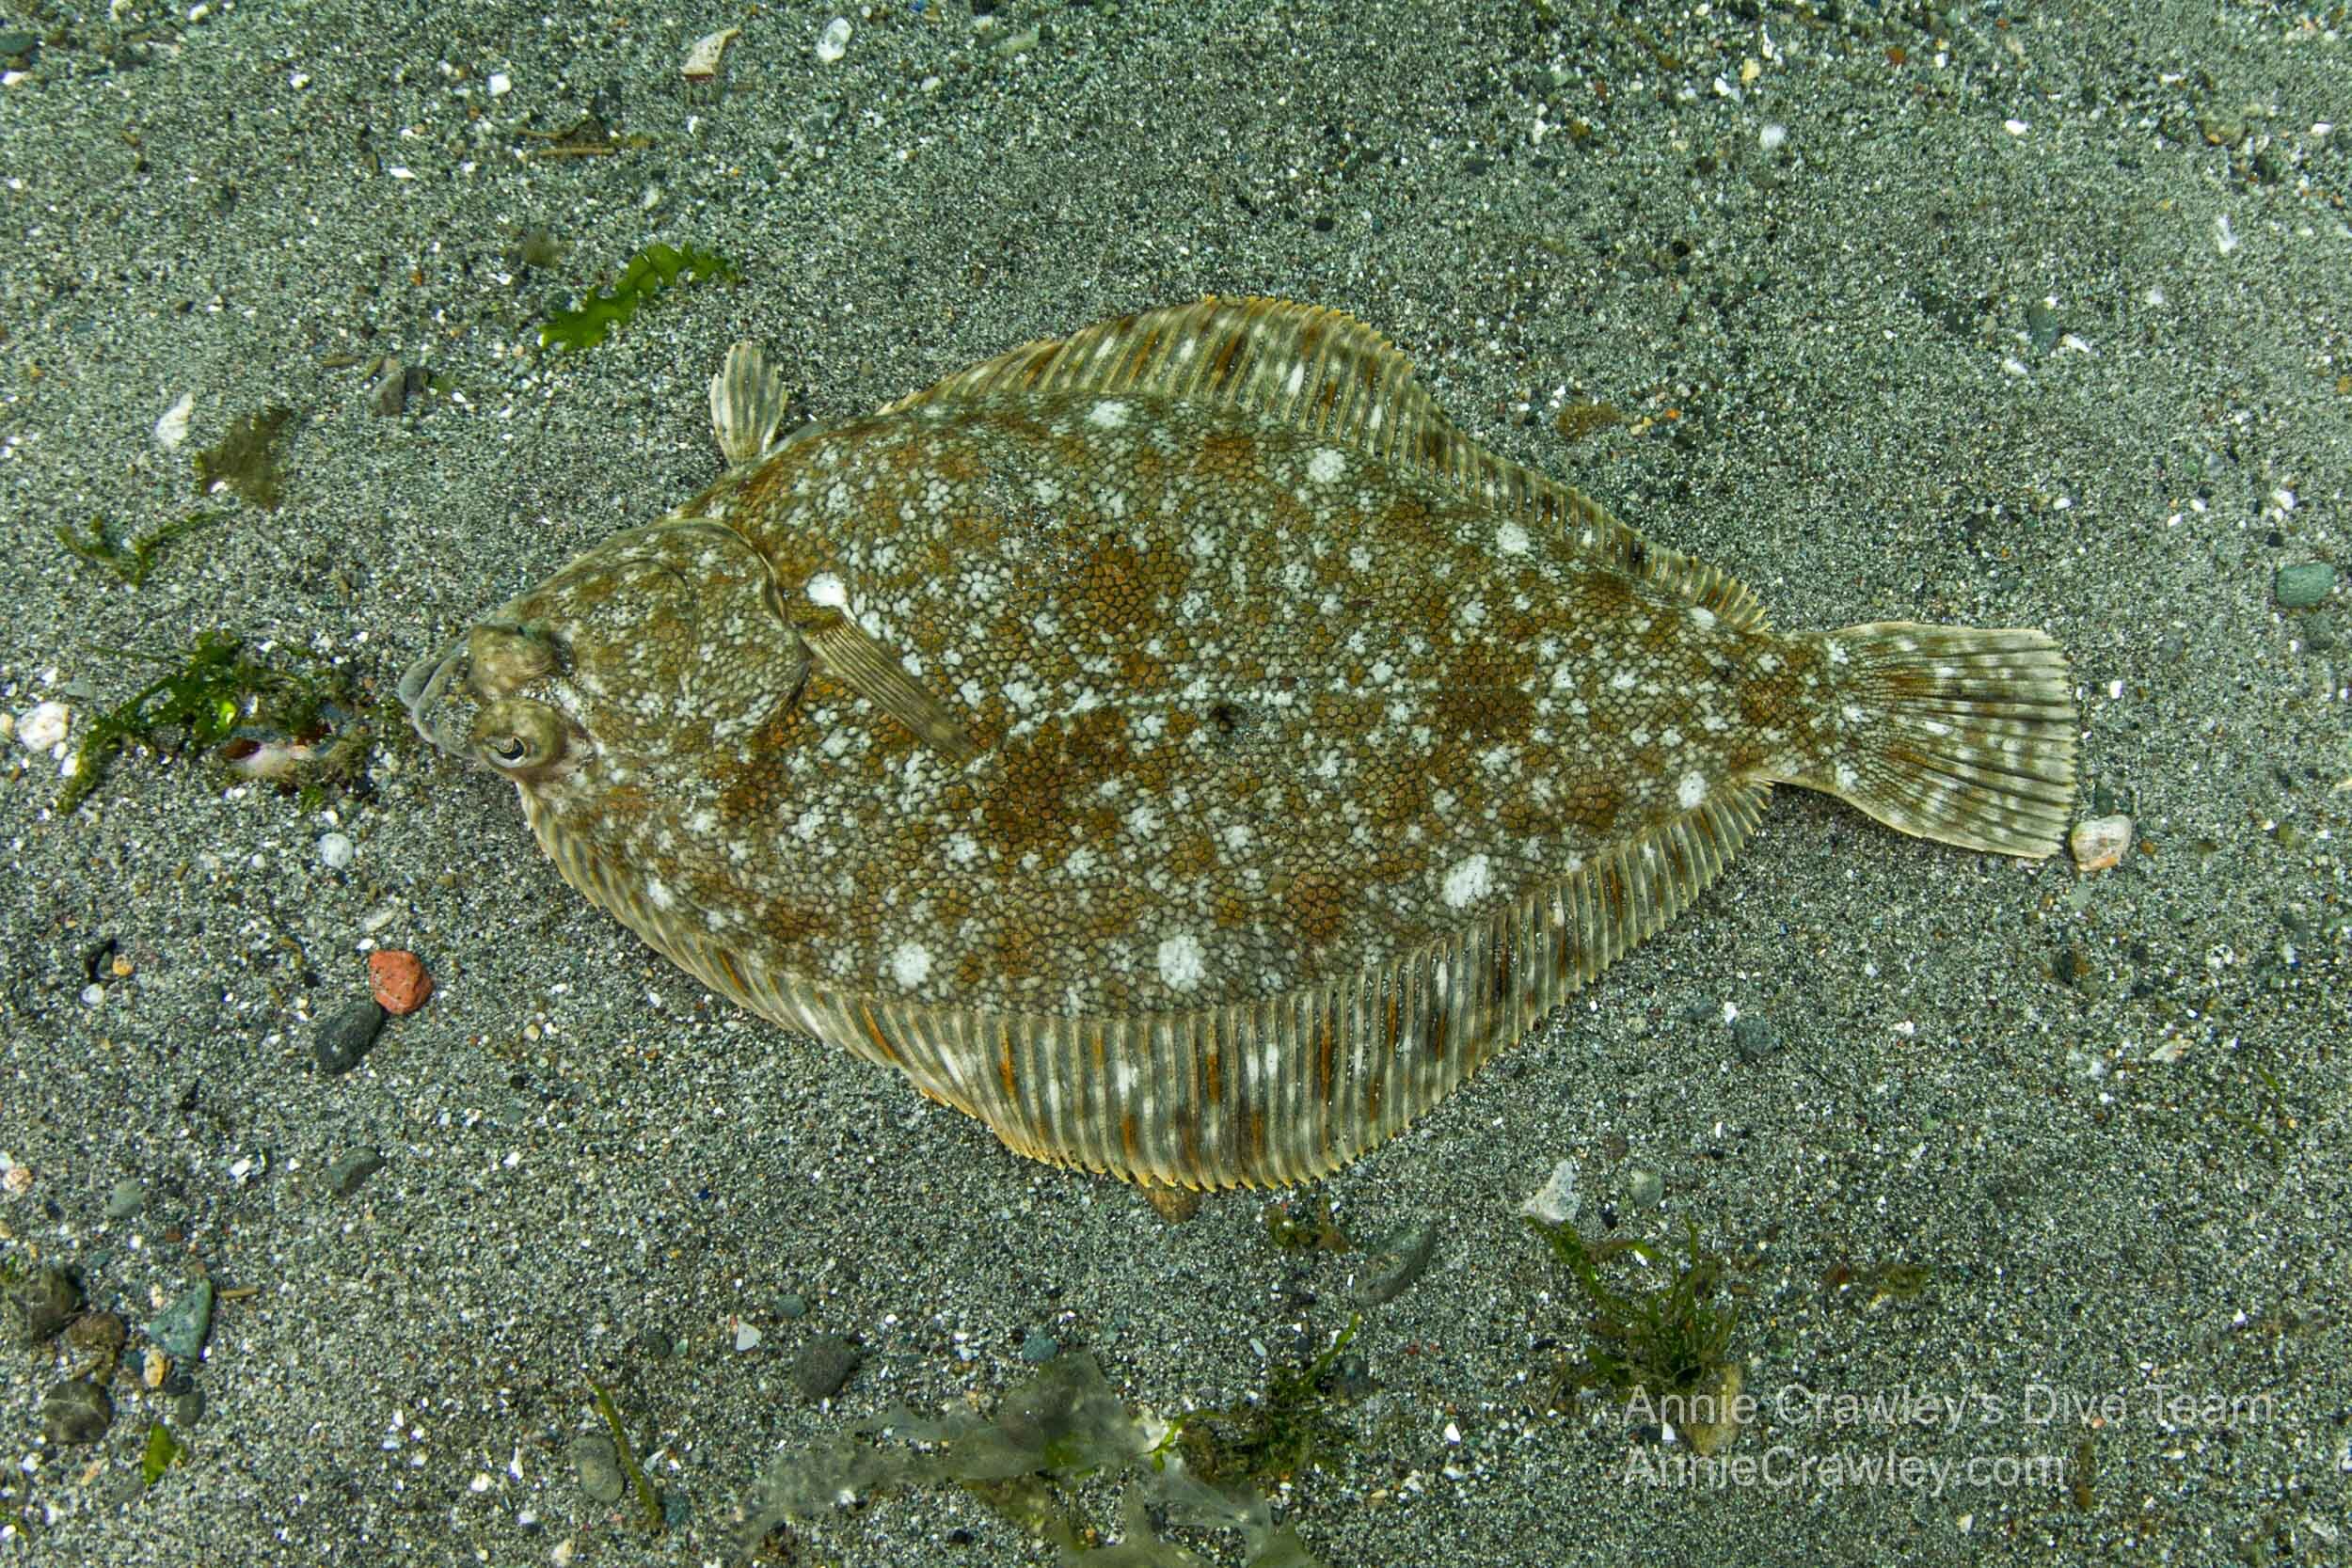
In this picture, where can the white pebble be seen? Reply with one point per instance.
(835, 41)
(501, 84)
(1554, 1202)
(172, 428)
(335, 851)
(746, 1336)
(1772, 137)
(43, 727)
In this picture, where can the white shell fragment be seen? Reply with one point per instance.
(834, 42)
(172, 428)
(43, 726)
(1554, 1202)
(2099, 841)
(703, 61)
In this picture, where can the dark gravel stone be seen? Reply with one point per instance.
(347, 1174)
(346, 1036)
(76, 1411)
(825, 1365)
(1040, 1347)
(1401, 1258)
(1754, 1039)
(39, 1306)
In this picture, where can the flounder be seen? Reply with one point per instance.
(1179, 747)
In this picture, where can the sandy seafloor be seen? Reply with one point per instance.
(2021, 316)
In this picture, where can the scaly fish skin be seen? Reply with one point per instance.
(1180, 748)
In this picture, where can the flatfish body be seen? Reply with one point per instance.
(1181, 747)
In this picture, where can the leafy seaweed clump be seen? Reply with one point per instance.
(1063, 1424)
(246, 458)
(651, 270)
(1314, 1229)
(1666, 1343)
(215, 693)
(1274, 1439)
(132, 559)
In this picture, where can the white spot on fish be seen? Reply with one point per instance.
(1469, 880)
(1326, 466)
(1108, 415)
(910, 964)
(1182, 964)
(659, 891)
(1511, 539)
(1691, 790)
(826, 589)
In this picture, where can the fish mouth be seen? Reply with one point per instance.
(423, 688)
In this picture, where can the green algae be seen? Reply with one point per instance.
(1061, 1426)
(650, 271)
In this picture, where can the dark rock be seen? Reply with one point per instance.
(826, 1363)
(76, 1411)
(345, 1038)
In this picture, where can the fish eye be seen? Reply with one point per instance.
(520, 734)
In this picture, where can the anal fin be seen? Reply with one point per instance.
(840, 648)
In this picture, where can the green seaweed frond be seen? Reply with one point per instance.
(648, 1500)
(1660, 1341)
(1290, 1430)
(247, 459)
(163, 1451)
(651, 270)
(132, 559)
(212, 691)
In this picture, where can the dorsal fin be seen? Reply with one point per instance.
(1324, 372)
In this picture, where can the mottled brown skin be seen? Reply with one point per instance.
(1322, 700)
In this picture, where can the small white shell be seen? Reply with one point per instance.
(702, 61)
(172, 428)
(834, 42)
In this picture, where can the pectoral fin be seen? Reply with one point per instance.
(840, 648)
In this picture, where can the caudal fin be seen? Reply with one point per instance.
(1953, 733)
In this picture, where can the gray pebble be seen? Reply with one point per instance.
(39, 1306)
(350, 1172)
(75, 1411)
(180, 1328)
(345, 1038)
(1645, 1189)
(2301, 587)
(127, 1198)
(188, 1409)
(826, 1363)
(599, 1464)
(1040, 1347)
(1401, 1258)
(1753, 1038)
(792, 1305)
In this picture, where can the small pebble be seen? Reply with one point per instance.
(187, 1410)
(597, 1463)
(98, 1334)
(76, 1411)
(127, 1198)
(335, 851)
(747, 1335)
(2295, 587)
(39, 1306)
(345, 1038)
(1395, 1261)
(834, 42)
(43, 726)
(1753, 1038)
(181, 1327)
(350, 1172)
(791, 1306)
(2099, 841)
(825, 1365)
(399, 980)
(1645, 1189)
(1554, 1202)
(1040, 1347)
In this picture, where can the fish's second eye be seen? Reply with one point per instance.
(507, 748)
